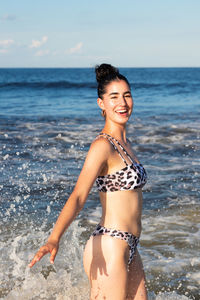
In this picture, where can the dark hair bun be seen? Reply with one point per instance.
(105, 71)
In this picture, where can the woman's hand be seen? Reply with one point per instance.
(49, 247)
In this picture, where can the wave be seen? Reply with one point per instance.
(48, 85)
(71, 85)
(141, 85)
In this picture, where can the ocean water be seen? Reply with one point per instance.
(48, 118)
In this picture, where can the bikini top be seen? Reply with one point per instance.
(131, 177)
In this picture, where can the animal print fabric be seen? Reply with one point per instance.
(131, 239)
(129, 178)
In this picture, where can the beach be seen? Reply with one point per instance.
(48, 119)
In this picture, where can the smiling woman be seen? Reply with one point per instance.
(119, 96)
(111, 259)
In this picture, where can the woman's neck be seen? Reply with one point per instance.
(117, 131)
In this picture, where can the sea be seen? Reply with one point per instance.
(48, 119)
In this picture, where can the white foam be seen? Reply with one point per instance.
(66, 279)
(6, 157)
(194, 276)
(169, 296)
(44, 178)
(58, 286)
(95, 215)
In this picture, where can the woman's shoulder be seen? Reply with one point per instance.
(101, 145)
(99, 151)
(100, 142)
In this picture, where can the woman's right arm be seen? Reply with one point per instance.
(94, 163)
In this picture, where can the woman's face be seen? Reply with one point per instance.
(117, 102)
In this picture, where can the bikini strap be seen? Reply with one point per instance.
(120, 145)
(110, 139)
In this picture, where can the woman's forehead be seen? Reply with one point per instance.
(117, 86)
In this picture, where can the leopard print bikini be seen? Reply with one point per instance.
(131, 177)
(131, 239)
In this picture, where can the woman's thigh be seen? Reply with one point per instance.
(136, 286)
(105, 263)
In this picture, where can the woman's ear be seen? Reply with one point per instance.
(100, 103)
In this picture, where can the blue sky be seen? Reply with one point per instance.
(82, 33)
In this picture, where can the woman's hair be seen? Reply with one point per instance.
(105, 74)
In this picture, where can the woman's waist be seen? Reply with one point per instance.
(126, 208)
(122, 210)
(131, 225)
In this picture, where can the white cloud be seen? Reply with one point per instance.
(42, 53)
(37, 44)
(3, 51)
(6, 43)
(76, 49)
(8, 18)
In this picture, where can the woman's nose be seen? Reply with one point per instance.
(122, 100)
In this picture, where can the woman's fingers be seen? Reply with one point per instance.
(53, 255)
(32, 263)
(43, 250)
(49, 247)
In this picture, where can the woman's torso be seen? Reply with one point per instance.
(121, 201)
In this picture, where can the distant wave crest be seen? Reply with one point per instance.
(141, 85)
(91, 85)
(47, 85)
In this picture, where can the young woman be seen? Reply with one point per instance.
(111, 259)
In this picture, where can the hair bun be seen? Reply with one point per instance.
(105, 71)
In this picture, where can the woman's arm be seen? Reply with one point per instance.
(94, 163)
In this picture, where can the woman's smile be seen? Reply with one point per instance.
(123, 112)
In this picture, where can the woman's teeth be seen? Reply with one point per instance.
(122, 111)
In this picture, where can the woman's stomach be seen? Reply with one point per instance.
(122, 210)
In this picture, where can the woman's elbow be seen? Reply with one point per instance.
(80, 199)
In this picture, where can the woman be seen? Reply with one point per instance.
(111, 259)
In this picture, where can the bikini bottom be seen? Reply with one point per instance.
(131, 239)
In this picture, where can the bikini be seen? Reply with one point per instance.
(131, 177)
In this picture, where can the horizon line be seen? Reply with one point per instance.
(162, 67)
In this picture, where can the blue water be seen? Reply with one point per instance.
(48, 118)
(72, 92)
